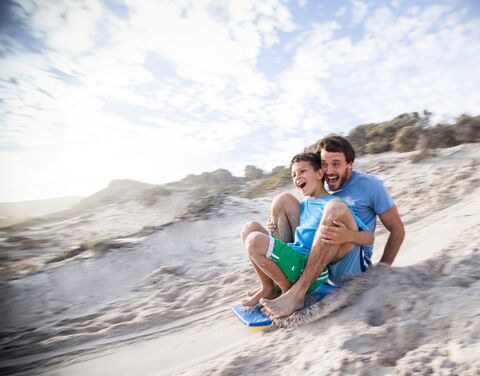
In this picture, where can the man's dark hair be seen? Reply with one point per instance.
(337, 144)
(312, 158)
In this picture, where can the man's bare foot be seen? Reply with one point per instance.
(284, 305)
(261, 293)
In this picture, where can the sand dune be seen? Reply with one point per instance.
(161, 304)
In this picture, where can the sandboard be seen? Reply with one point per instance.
(255, 319)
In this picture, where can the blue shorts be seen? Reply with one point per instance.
(354, 262)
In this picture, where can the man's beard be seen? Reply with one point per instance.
(341, 180)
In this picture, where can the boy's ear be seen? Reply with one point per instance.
(319, 173)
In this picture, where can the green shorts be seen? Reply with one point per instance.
(291, 262)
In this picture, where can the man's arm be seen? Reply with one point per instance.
(392, 222)
(340, 234)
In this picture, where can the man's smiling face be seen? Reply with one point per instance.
(335, 168)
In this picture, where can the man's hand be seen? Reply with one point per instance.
(338, 234)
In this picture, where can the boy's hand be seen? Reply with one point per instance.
(271, 227)
(337, 234)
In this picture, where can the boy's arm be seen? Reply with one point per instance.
(340, 234)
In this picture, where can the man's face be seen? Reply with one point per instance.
(335, 168)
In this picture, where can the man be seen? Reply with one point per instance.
(368, 198)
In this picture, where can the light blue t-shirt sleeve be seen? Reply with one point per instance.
(361, 226)
(379, 196)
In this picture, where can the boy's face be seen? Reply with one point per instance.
(335, 168)
(305, 178)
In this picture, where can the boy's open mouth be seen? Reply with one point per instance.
(302, 184)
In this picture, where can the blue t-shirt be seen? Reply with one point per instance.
(368, 197)
(311, 212)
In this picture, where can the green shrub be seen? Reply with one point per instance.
(441, 136)
(358, 137)
(423, 150)
(467, 129)
(376, 147)
(68, 254)
(407, 138)
(278, 180)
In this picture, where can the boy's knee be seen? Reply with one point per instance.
(249, 227)
(283, 201)
(253, 241)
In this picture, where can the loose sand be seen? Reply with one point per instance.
(161, 306)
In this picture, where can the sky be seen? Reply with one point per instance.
(153, 90)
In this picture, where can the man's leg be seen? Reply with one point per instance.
(285, 214)
(320, 256)
(257, 245)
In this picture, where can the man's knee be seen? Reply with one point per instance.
(284, 202)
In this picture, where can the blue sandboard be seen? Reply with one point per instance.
(254, 318)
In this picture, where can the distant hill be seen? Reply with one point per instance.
(214, 178)
(117, 192)
(16, 212)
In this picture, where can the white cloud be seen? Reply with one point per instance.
(401, 64)
(359, 11)
(395, 3)
(63, 25)
(122, 116)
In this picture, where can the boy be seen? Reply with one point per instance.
(283, 263)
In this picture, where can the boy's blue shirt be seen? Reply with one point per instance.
(368, 197)
(311, 212)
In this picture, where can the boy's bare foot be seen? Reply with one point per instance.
(259, 294)
(284, 305)
(276, 289)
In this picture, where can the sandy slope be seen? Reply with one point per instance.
(162, 305)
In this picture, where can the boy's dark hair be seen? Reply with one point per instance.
(312, 158)
(337, 144)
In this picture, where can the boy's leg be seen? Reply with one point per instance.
(249, 227)
(320, 256)
(285, 215)
(257, 245)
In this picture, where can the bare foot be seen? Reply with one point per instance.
(284, 305)
(250, 293)
(255, 298)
